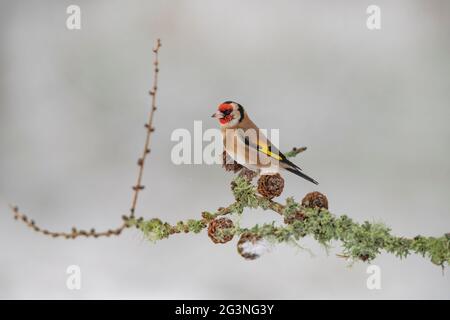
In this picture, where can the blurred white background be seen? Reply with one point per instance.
(372, 106)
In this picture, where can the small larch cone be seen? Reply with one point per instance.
(364, 257)
(221, 230)
(229, 164)
(315, 200)
(270, 186)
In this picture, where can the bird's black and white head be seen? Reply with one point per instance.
(229, 114)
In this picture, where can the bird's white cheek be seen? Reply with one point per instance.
(228, 124)
(233, 122)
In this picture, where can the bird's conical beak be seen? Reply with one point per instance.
(217, 115)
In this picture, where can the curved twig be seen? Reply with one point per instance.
(75, 232)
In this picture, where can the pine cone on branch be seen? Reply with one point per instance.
(315, 200)
(270, 186)
(220, 230)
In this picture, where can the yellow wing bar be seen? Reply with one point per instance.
(266, 150)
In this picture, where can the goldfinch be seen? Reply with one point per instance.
(248, 146)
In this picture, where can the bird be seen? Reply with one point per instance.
(248, 146)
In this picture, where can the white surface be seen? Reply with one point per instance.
(372, 106)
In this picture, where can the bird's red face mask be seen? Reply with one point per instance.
(224, 113)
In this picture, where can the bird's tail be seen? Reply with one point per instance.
(301, 174)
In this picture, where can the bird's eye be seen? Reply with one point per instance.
(226, 112)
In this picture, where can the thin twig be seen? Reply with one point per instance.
(74, 233)
(141, 161)
(294, 152)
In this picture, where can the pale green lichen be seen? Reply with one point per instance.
(363, 241)
(154, 229)
(195, 226)
(245, 195)
(290, 208)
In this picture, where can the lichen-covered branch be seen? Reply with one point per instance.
(360, 241)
